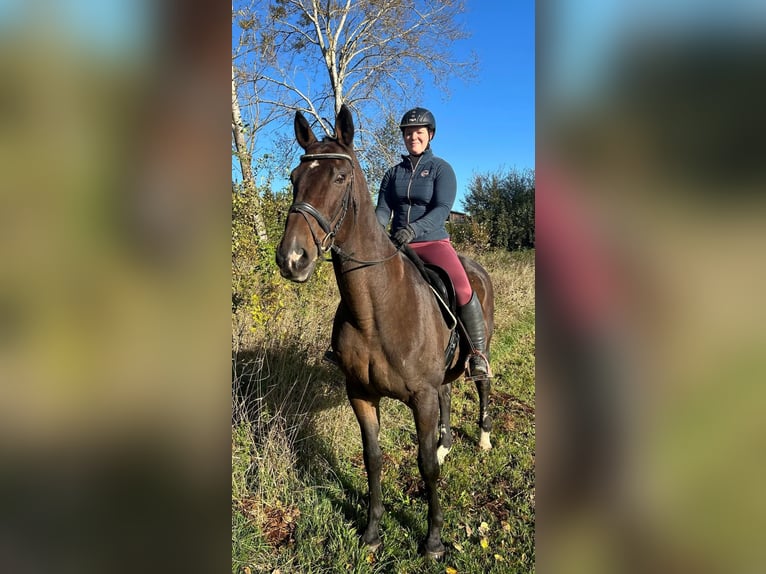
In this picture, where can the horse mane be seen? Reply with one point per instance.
(406, 250)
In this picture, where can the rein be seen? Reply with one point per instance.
(304, 208)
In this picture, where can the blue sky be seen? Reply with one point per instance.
(489, 125)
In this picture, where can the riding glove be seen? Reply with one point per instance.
(403, 236)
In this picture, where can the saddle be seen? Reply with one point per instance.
(444, 293)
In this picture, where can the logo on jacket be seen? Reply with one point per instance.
(424, 173)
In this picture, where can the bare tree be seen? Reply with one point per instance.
(248, 66)
(251, 115)
(245, 158)
(386, 146)
(373, 55)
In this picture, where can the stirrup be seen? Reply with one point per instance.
(472, 369)
(330, 357)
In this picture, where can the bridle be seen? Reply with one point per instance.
(305, 209)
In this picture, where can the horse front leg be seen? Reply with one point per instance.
(367, 413)
(425, 408)
(445, 430)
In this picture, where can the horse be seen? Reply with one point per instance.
(389, 334)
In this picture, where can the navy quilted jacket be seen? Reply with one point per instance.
(420, 196)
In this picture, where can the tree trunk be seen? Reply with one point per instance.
(245, 160)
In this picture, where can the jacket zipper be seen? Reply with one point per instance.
(409, 185)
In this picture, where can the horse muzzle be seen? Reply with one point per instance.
(295, 263)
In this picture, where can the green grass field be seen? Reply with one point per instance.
(298, 481)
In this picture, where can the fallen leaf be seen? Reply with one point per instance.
(506, 526)
(247, 570)
(450, 570)
(280, 524)
(499, 558)
(468, 530)
(458, 546)
(484, 543)
(483, 528)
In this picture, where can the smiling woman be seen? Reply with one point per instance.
(416, 197)
(416, 139)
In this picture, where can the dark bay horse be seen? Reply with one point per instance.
(389, 334)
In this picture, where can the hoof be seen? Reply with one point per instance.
(373, 546)
(436, 554)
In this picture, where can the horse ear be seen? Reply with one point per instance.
(344, 126)
(303, 134)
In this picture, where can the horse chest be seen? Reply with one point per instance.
(390, 357)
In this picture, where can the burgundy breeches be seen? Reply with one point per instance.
(442, 253)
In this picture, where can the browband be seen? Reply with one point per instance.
(311, 156)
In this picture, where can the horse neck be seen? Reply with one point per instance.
(360, 285)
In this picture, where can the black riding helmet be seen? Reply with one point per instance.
(418, 117)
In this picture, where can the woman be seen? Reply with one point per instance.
(417, 195)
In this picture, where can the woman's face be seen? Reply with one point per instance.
(416, 139)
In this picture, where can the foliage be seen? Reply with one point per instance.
(257, 287)
(502, 207)
(468, 235)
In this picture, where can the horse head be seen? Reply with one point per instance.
(322, 192)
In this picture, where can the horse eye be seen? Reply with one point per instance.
(341, 178)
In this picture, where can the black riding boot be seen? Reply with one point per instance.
(473, 320)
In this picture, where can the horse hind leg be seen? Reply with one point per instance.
(485, 421)
(445, 431)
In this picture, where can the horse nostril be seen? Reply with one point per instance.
(296, 259)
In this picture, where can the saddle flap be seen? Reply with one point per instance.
(441, 284)
(444, 289)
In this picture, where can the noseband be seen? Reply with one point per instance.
(304, 207)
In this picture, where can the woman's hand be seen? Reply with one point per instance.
(403, 236)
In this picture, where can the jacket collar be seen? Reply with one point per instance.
(427, 154)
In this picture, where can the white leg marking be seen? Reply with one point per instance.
(484, 443)
(441, 454)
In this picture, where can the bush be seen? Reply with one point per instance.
(502, 208)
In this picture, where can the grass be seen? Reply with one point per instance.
(298, 482)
